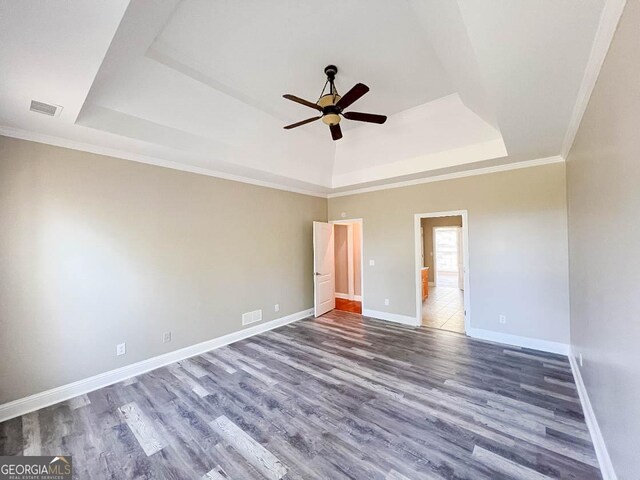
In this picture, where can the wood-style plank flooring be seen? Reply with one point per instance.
(353, 306)
(339, 397)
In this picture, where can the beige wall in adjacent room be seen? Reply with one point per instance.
(603, 174)
(95, 251)
(517, 243)
(428, 225)
(341, 255)
(357, 258)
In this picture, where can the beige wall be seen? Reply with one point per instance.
(357, 258)
(95, 251)
(603, 173)
(517, 242)
(341, 254)
(427, 225)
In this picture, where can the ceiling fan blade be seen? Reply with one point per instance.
(336, 131)
(302, 101)
(308, 120)
(365, 117)
(358, 90)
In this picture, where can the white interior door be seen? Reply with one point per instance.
(323, 268)
(460, 260)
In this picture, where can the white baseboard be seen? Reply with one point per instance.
(65, 392)
(390, 317)
(346, 296)
(606, 467)
(526, 342)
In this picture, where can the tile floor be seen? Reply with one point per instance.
(444, 308)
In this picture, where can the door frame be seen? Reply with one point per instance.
(465, 252)
(348, 222)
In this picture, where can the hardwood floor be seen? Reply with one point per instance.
(332, 398)
(352, 306)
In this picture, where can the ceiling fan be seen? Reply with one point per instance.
(332, 105)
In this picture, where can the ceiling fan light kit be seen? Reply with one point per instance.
(331, 105)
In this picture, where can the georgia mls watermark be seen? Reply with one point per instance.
(35, 468)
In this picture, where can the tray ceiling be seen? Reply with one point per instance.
(198, 84)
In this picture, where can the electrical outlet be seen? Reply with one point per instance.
(166, 337)
(580, 358)
(372, 263)
(503, 318)
(276, 307)
(121, 349)
(386, 301)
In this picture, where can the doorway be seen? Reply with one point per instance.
(338, 268)
(348, 264)
(442, 270)
(447, 255)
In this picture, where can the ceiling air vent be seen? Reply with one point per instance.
(45, 108)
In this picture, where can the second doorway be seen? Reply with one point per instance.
(348, 265)
(442, 273)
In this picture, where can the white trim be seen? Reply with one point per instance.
(65, 392)
(418, 247)
(518, 341)
(450, 176)
(112, 152)
(611, 13)
(135, 157)
(390, 317)
(346, 296)
(606, 466)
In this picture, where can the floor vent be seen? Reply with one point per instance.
(45, 108)
(251, 317)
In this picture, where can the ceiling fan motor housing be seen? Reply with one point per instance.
(330, 113)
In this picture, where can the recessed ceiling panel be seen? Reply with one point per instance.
(259, 50)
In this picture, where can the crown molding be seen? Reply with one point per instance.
(611, 13)
(112, 152)
(450, 176)
(100, 150)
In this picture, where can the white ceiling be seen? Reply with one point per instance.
(198, 84)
